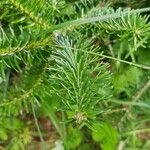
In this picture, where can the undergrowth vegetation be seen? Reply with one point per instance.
(74, 74)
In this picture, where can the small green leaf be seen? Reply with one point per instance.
(106, 135)
(13, 124)
(130, 77)
(3, 134)
(74, 138)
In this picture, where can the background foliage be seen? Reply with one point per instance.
(74, 74)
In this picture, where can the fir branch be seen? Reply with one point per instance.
(26, 48)
(11, 51)
(28, 93)
(82, 84)
(124, 61)
(113, 58)
(30, 15)
(99, 19)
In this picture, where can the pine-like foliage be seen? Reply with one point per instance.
(82, 64)
(83, 80)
